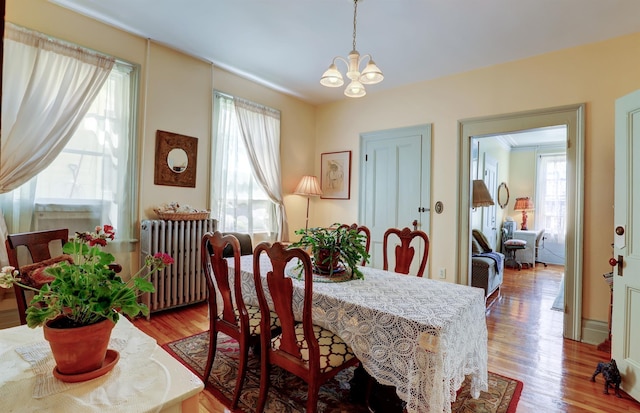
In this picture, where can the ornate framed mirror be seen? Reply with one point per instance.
(175, 159)
(503, 195)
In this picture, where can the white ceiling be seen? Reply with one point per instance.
(551, 136)
(288, 44)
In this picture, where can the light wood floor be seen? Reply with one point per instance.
(525, 343)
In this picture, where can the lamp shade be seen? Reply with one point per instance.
(523, 204)
(308, 186)
(481, 195)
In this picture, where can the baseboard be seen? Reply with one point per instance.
(594, 332)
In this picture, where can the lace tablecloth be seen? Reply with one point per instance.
(422, 336)
(145, 379)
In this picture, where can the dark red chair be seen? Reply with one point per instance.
(39, 247)
(309, 351)
(404, 253)
(239, 321)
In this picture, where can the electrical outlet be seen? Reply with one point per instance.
(443, 273)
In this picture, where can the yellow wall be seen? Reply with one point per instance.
(595, 74)
(179, 100)
(522, 178)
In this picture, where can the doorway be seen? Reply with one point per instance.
(572, 117)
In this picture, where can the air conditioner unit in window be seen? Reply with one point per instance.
(75, 217)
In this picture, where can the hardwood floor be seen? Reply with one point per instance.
(525, 343)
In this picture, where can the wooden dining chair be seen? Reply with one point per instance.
(404, 253)
(239, 321)
(309, 351)
(42, 248)
(361, 229)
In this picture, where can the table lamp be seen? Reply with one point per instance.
(524, 204)
(308, 187)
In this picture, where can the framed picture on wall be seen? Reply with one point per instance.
(335, 175)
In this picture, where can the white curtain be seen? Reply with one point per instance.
(261, 133)
(246, 192)
(551, 199)
(48, 86)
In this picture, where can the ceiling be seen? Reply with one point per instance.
(288, 44)
(535, 138)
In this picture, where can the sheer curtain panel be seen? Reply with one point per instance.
(260, 128)
(48, 87)
(246, 190)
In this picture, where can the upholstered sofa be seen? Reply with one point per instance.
(487, 266)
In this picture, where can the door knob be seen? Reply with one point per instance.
(620, 230)
(415, 224)
(617, 262)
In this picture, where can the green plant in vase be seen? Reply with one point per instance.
(334, 249)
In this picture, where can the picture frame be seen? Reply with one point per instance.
(176, 159)
(335, 175)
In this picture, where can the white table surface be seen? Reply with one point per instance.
(145, 379)
(420, 335)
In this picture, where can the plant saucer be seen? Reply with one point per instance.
(110, 360)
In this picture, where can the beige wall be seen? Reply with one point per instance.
(594, 74)
(175, 95)
(179, 101)
(502, 155)
(522, 183)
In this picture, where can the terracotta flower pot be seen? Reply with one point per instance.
(80, 349)
(325, 266)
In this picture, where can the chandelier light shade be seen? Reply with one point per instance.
(308, 187)
(524, 204)
(369, 76)
(481, 195)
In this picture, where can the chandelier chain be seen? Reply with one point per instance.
(355, 13)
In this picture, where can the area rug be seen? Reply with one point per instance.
(288, 394)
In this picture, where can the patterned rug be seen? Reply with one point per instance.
(288, 394)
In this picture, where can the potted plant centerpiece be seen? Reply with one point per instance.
(334, 250)
(82, 300)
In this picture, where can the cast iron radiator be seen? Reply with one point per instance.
(183, 282)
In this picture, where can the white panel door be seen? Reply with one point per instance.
(626, 280)
(395, 184)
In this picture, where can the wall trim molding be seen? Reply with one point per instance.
(594, 331)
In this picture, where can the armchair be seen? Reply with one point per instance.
(487, 266)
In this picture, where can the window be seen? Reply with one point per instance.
(91, 182)
(551, 202)
(238, 200)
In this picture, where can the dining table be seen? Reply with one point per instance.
(145, 378)
(422, 336)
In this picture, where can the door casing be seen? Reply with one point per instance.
(572, 116)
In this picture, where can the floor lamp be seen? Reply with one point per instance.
(308, 187)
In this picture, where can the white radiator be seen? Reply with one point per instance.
(183, 282)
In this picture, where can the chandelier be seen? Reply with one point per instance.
(369, 76)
